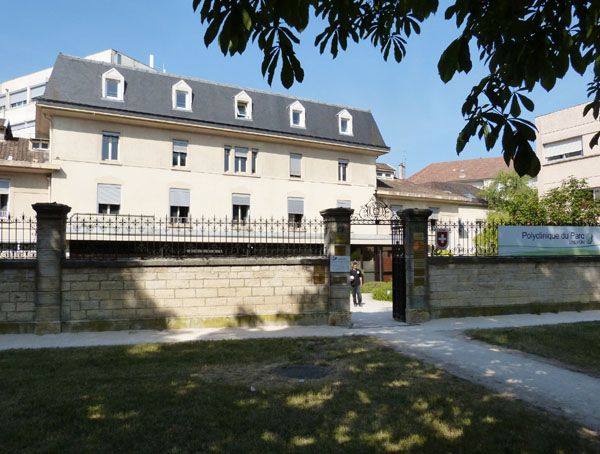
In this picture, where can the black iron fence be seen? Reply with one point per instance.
(18, 236)
(455, 238)
(98, 235)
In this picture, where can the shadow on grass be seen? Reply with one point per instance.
(224, 397)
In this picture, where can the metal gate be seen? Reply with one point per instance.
(398, 272)
(377, 213)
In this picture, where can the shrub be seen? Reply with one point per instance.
(380, 293)
(370, 286)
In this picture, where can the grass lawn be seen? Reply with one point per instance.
(576, 345)
(223, 396)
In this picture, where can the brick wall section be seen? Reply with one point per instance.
(187, 293)
(17, 294)
(495, 285)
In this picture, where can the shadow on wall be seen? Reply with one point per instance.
(100, 296)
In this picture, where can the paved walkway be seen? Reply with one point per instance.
(440, 342)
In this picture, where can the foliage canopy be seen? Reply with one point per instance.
(523, 43)
(512, 201)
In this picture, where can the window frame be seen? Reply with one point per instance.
(297, 156)
(182, 210)
(298, 108)
(242, 98)
(343, 165)
(239, 215)
(5, 191)
(178, 154)
(110, 150)
(109, 206)
(345, 116)
(114, 76)
(184, 88)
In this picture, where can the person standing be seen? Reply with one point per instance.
(356, 282)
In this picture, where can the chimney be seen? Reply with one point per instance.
(401, 171)
(151, 61)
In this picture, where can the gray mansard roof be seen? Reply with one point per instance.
(77, 83)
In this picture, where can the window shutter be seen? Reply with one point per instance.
(295, 205)
(4, 186)
(180, 146)
(38, 91)
(18, 96)
(295, 165)
(344, 204)
(563, 147)
(109, 194)
(3, 101)
(241, 152)
(179, 197)
(240, 199)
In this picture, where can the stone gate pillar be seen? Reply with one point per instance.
(51, 244)
(415, 251)
(337, 247)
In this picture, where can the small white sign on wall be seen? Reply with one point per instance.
(339, 264)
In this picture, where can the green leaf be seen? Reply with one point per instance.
(515, 110)
(527, 103)
(594, 141)
(525, 161)
(287, 73)
(448, 63)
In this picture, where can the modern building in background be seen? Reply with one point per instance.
(563, 148)
(18, 96)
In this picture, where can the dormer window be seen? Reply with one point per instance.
(113, 85)
(345, 122)
(182, 96)
(297, 115)
(243, 106)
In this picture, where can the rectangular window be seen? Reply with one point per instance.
(18, 98)
(2, 103)
(226, 163)
(181, 101)
(254, 161)
(342, 170)
(596, 194)
(295, 165)
(344, 204)
(435, 215)
(563, 149)
(295, 211)
(296, 117)
(112, 88)
(39, 145)
(344, 125)
(242, 109)
(37, 92)
(4, 192)
(395, 209)
(109, 198)
(179, 205)
(110, 146)
(179, 153)
(241, 156)
(241, 208)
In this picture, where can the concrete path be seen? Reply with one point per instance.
(440, 342)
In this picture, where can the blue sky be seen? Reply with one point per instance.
(418, 115)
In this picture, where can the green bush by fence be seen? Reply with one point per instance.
(381, 293)
(370, 286)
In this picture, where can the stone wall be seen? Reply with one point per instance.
(17, 296)
(193, 293)
(472, 286)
